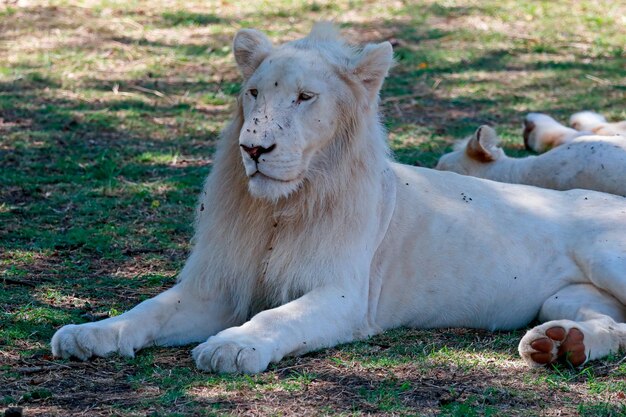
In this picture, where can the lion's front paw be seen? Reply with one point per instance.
(86, 340)
(229, 355)
(551, 343)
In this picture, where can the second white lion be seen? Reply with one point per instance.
(589, 161)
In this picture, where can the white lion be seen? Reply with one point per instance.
(308, 235)
(596, 123)
(542, 132)
(590, 162)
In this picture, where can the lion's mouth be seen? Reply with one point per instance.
(259, 174)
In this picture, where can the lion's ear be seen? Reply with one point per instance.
(483, 145)
(250, 48)
(372, 66)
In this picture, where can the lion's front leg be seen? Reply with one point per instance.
(174, 317)
(324, 317)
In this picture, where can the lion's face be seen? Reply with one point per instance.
(294, 99)
(290, 111)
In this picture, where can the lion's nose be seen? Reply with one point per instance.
(256, 151)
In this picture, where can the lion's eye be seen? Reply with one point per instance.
(305, 96)
(253, 92)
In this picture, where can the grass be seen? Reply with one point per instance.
(109, 112)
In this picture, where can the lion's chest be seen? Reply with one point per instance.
(286, 269)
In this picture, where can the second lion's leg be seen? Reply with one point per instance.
(582, 323)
